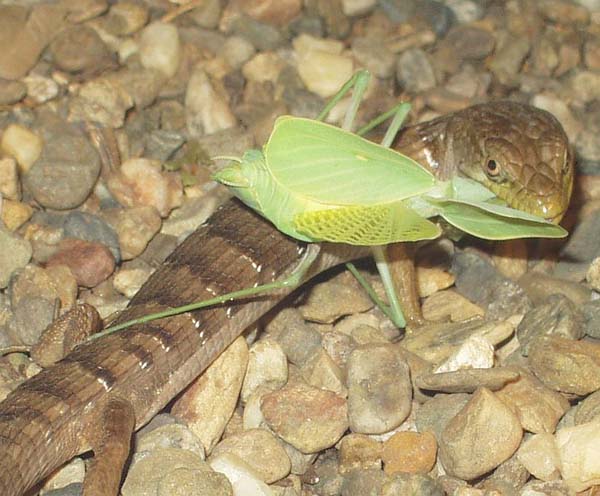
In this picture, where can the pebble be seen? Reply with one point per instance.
(353, 8)
(579, 250)
(263, 67)
(373, 54)
(435, 413)
(14, 214)
(267, 368)
(32, 315)
(358, 451)
(298, 340)
(585, 85)
(168, 435)
(412, 484)
(344, 291)
(162, 470)
(566, 365)
(556, 316)
(539, 286)
(322, 372)
(500, 296)
(264, 37)
(277, 12)
(470, 43)
(379, 389)
(539, 408)
(579, 457)
(360, 482)
(41, 89)
(414, 71)
(135, 228)
(466, 11)
(78, 49)
(131, 276)
(260, 450)
(475, 352)
(142, 85)
(508, 59)
(480, 437)
(208, 403)
(242, 478)
(101, 100)
(15, 253)
(539, 455)
(510, 258)
(308, 418)
(160, 48)
(125, 18)
(321, 65)
(450, 305)
(467, 380)
(10, 187)
(22, 144)
(11, 91)
(409, 452)
(140, 182)
(588, 409)
(430, 280)
(89, 227)
(90, 262)
(237, 51)
(207, 111)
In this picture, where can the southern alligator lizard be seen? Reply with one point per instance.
(520, 152)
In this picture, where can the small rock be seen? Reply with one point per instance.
(591, 49)
(363, 482)
(476, 352)
(40, 89)
(298, 340)
(15, 253)
(125, 18)
(450, 304)
(278, 12)
(10, 187)
(267, 368)
(342, 291)
(470, 43)
(131, 276)
(14, 214)
(358, 451)
(379, 389)
(477, 279)
(467, 380)
(508, 59)
(237, 51)
(166, 471)
(207, 405)
(353, 8)
(399, 11)
(412, 484)
(90, 262)
(430, 280)
(140, 182)
(337, 24)
(539, 408)
(409, 452)
(243, 479)
(142, 85)
(101, 100)
(264, 37)
(557, 316)
(435, 413)
(160, 48)
(322, 372)
(555, 488)
(168, 435)
(579, 458)
(588, 409)
(585, 85)
(308, 418)
(480, 437)
(566, 365)
(78, 49)
(540, 457)
(510, 258)
(321, 66)
(135, 228)
(539, 287)
(206, 110)
(22, 144)
(263, 67)
(563, 12)
(414, 71)
(579, 250)
(260, 450)
(374, 55)
(466, 11)
(88, 227)
(32, 315)
(11, 91)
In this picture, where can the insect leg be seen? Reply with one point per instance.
(359, 81)
(290, 281)
(388, 283)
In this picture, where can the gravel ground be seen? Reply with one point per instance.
(109, 112)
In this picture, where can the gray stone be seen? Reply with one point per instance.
(89, 227)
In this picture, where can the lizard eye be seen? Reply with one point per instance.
(492, 168)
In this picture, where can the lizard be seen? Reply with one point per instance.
(96, 396)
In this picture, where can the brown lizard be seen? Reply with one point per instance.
(100, 392)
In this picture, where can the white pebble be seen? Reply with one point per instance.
(21, 144)
(160, 48)
(579, 450)
(243, 479)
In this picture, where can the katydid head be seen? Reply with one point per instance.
(531, 170)
(242, 177)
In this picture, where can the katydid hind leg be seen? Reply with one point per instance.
(359, 81)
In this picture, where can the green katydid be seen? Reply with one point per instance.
(316, 182)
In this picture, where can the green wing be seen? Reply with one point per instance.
(494, 222)
(366, 225)
(323, 163)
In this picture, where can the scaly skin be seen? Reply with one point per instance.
(127, 377)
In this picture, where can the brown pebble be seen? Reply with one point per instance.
(409, 452)
(91, 263)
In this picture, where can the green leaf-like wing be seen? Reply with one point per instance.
(328, 165)
(366, 225)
